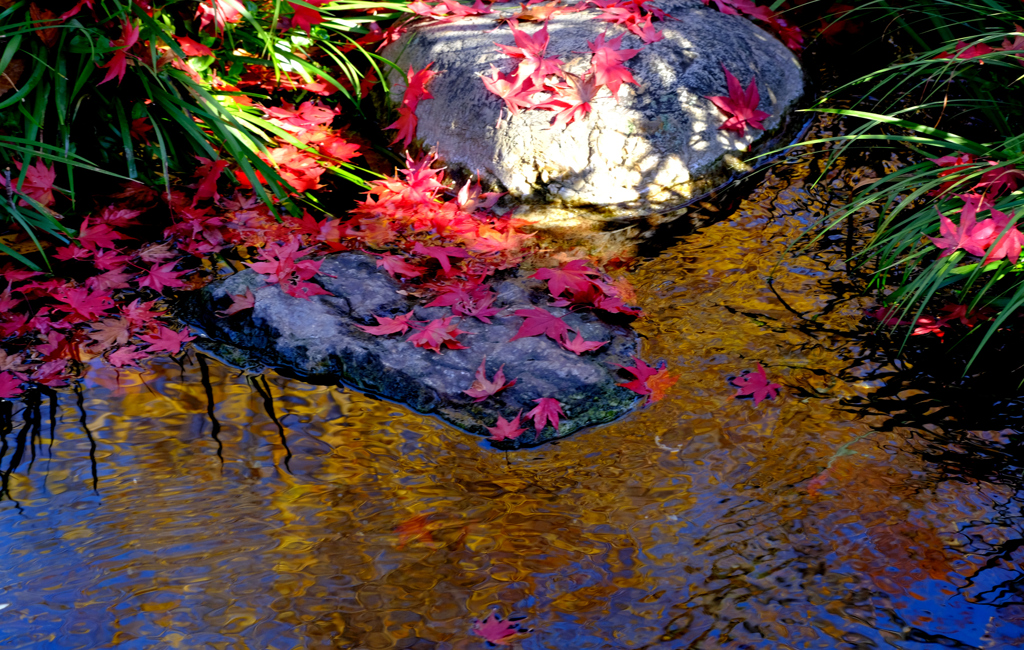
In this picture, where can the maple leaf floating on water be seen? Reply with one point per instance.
(756, 385)
(650, 382)
(740, 105)
(497, 631)
(483, 387)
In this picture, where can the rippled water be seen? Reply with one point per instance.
(195, 507)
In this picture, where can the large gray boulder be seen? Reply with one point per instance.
(659, 145)
(318, 340)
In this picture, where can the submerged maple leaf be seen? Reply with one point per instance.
(740, 105)
(642, 372)
(482, 387)
(497, 631)
(505, 429)
(756, 385)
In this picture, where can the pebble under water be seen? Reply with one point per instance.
(193, 506)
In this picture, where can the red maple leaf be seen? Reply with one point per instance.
(740, 105)
(406, 125)
(436, 333)
(415, 90)
(482, 387)
(572, 99)
(540, 321)
(969, 235)
(496, 631)
(82, 304)
(51, 373)
(1007, 241)
(192, 48)
(579, 345)
(38, 183)
(530, 48)
(413, 529)
(240, 303)
(606, 63)
(547, 410)
(209, 172)
(305, 17)
(10, 385)
(396, 265)
(159, 277)
(126, 356)
(515, 92)
(506, 430)
(755, 384)
(574, 276)
(166, 340)
(646, 31)
(476, 302)
(385, 325)
(99, 236)
(964, 50)
(118, 64)
(440, 253)
(642, 372)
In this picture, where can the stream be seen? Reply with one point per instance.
(193, 506)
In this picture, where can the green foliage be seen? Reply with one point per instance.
(960, 71)
(70, 108)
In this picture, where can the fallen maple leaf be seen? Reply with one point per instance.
(642, 372)
(607, 62)
(413, 529)
(756, 385)
(540, 321)
(482, 387)
(440, 253)
(240, 303)
(740, 105)
(385, 326)
(126, 356)
(10, 385)
(166, 340)
(505, 430)
(497, 631)
(547, 410)
(436, 333)
(574, 276)
(579, 345)
(968, 235)
(530, 48)
(659, 383)
(396, 265)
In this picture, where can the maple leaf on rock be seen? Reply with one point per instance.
(580, 345)
(440, 253)
(607, 60)
(396, 265)
(166, 340)
(540, 321)
(515, 92)
(531, 48)
(547, 410)
(574, 276)
(240, 303)
(756, 385)
(506, 430)
(740, 105)
(482, 387)
(436, 333)
(572, 99)
(397, 325)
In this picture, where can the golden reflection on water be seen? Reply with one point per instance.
(700, 521)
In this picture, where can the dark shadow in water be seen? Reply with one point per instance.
(204, 374)
(268, 404)
(28, 437)
(80, 397)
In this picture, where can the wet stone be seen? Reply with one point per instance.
(317, 340)
(657, 146)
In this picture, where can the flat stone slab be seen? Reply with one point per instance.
(659, 145)
(317, 340)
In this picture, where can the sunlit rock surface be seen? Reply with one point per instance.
(318, 340)
(658, 146)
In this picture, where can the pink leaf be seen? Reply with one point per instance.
(482, 387)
